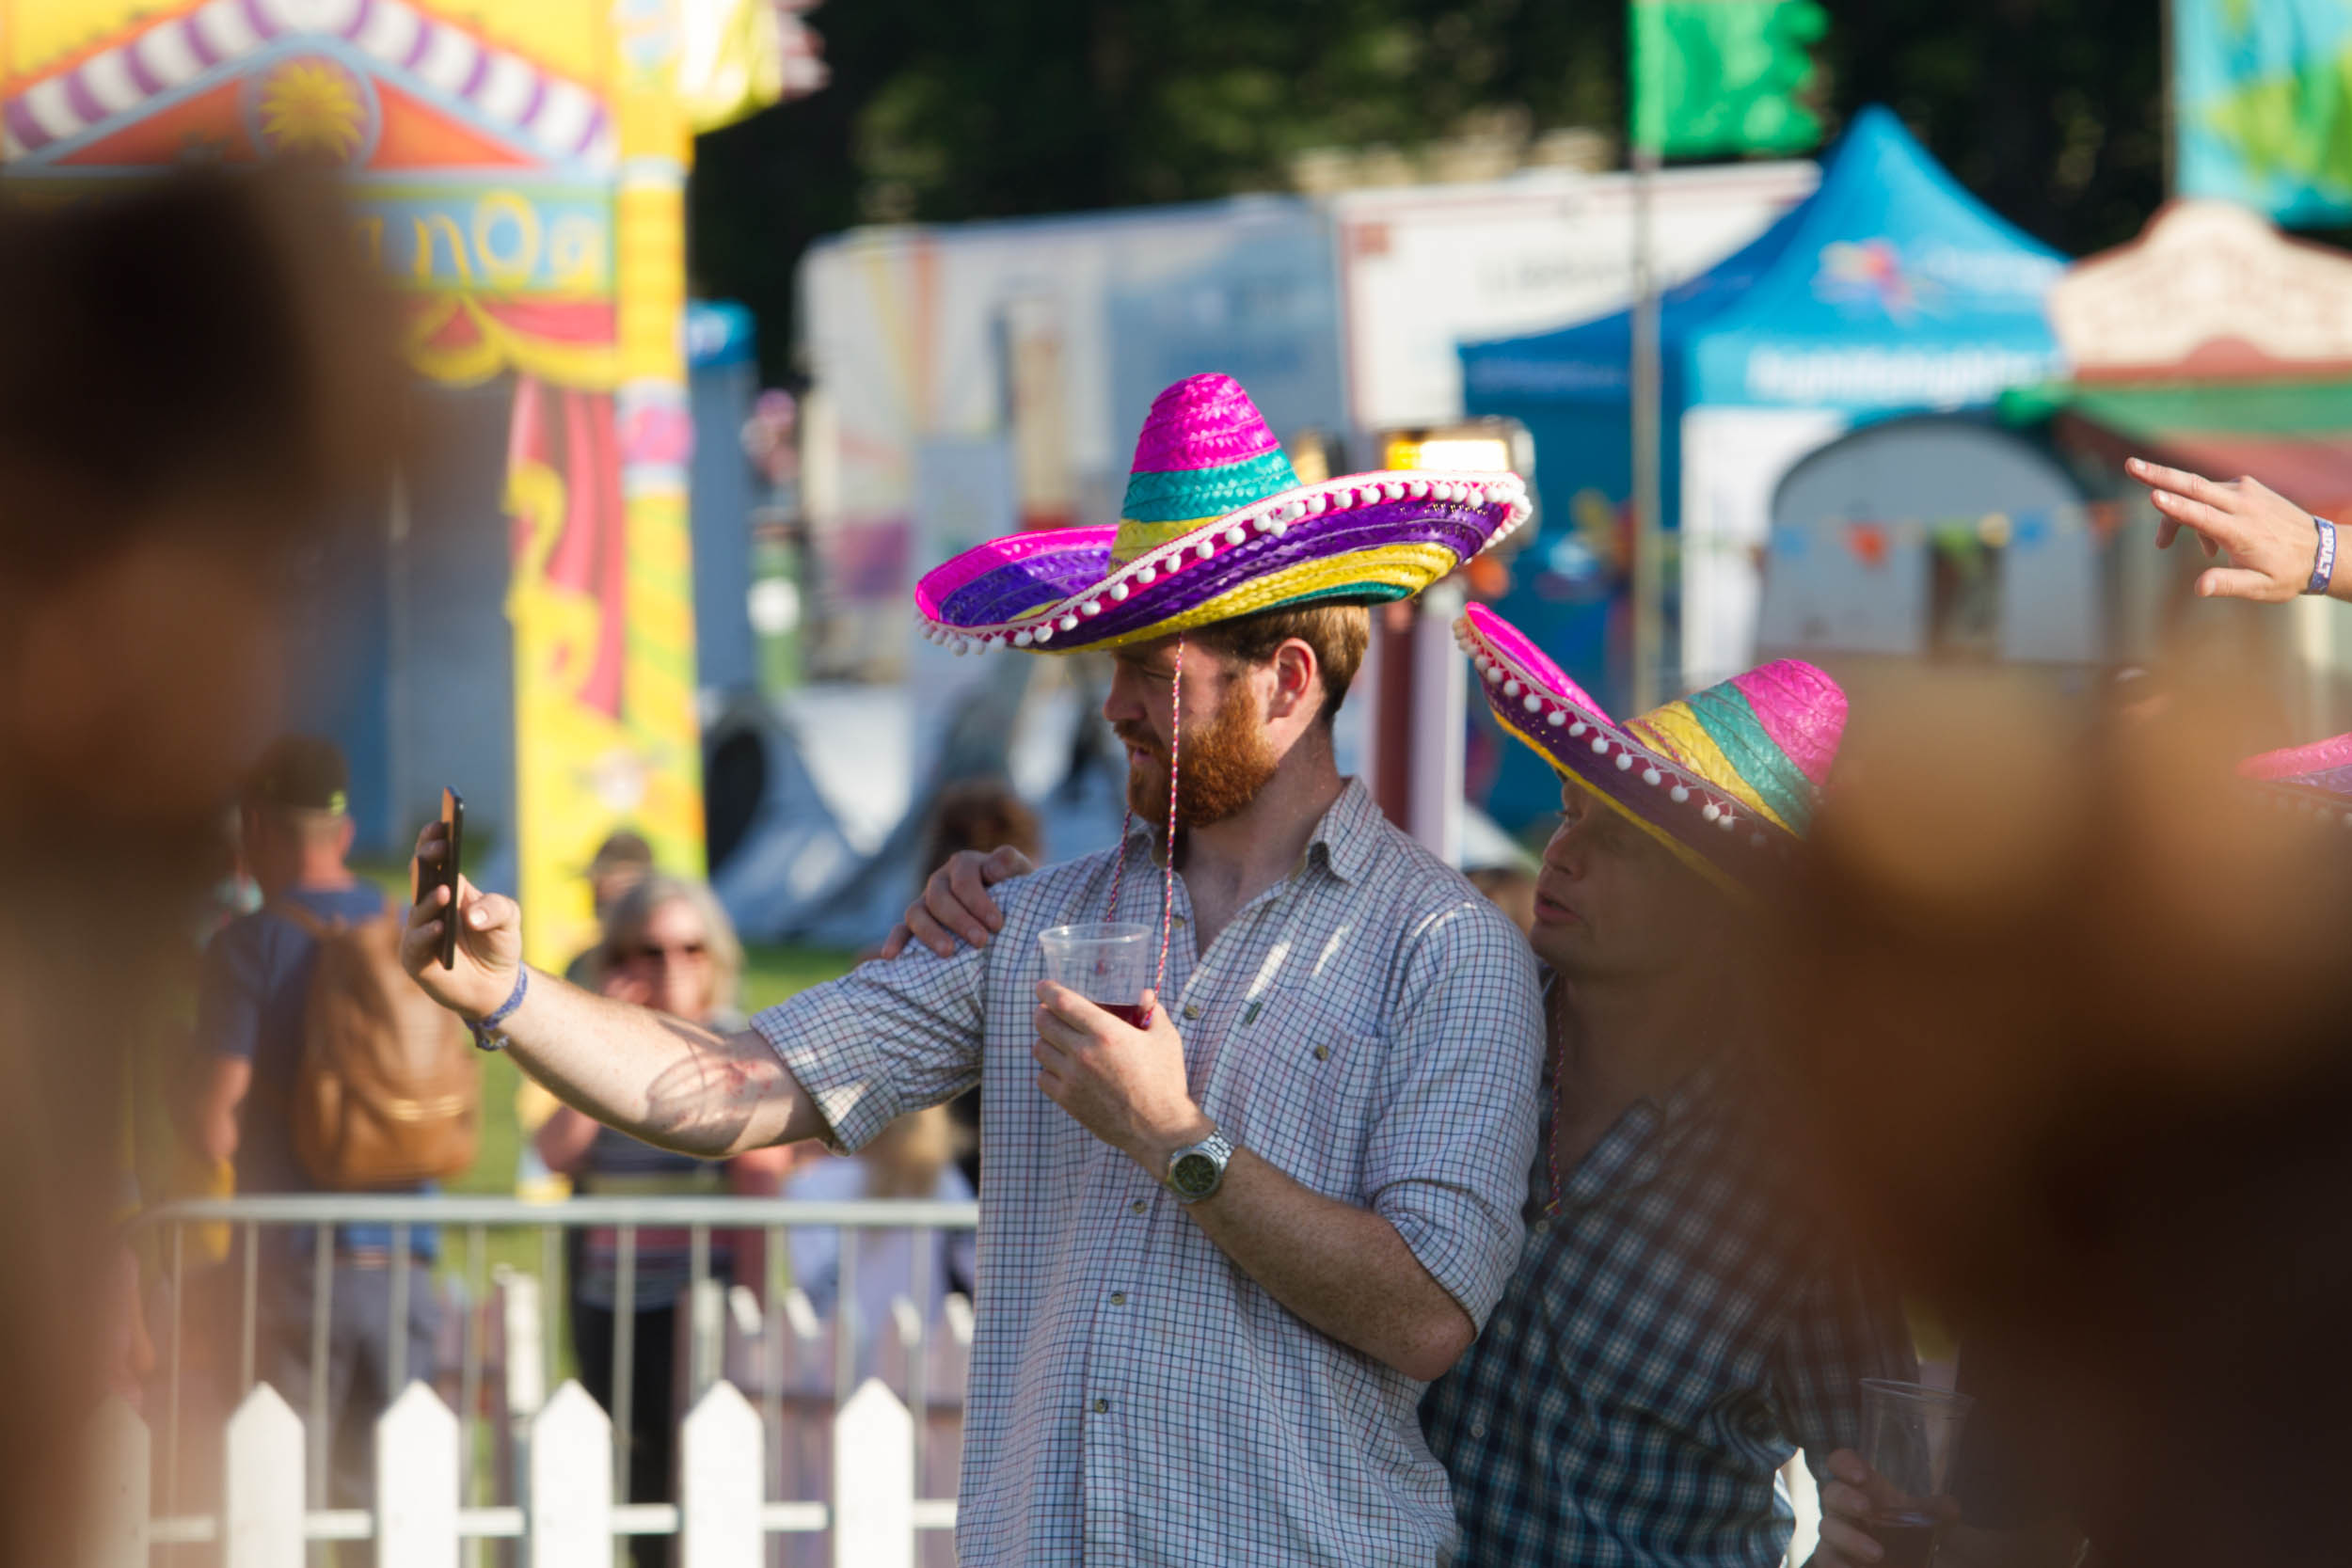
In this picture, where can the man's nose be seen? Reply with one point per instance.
(1564, 851)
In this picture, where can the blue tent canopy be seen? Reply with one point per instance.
(1889, 290)
(1890, 287)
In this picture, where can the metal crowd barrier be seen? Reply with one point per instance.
(465, 1223)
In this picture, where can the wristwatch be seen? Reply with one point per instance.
(1197, 1170)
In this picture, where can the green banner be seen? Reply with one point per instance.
(2262, 105)
(1713, 76)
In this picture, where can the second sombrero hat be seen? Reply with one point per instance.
(1726, 778)
(1215, 526)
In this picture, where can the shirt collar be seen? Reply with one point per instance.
(1347, 835)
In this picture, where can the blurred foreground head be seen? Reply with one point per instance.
(2072, 1008)
(192, 381)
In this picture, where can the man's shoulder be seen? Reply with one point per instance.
(1418, 886)
(1045, 898)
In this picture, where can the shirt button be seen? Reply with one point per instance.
(1140, 1205)
(1118, 1298)
(1102, 1407)
(1478, 1428)
(1192, 1010)
(1323, 1052)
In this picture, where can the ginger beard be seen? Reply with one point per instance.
(1226, 761)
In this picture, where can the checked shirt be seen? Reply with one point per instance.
(1675, 1329)
(1371, 1026)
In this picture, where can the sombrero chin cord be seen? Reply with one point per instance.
(1168, 874)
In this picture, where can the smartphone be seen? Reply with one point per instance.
(445, 874)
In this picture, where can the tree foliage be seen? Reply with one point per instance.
(943, 109)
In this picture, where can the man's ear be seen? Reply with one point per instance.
(1298, 681)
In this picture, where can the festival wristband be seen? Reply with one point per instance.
(485, 1033)
(2323, 569)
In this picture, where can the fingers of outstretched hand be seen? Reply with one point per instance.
(896, 943)
(2239, 582)
(2181, 481)
(2212, 524)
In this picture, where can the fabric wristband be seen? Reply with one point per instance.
(485, 1036)
(2323, 568)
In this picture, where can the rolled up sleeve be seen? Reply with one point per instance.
(891, 1037)
(1450, 1152)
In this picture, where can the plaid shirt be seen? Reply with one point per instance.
(1674, 1331)
(1372, 1028)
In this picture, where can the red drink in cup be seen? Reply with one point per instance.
(1910, 1434)
(1108, 962)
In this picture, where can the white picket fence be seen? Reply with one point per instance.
(568, 1519)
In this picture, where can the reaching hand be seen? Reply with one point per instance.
(955, 903)
(489, 940)
(2272, 543)
(1126, 1086)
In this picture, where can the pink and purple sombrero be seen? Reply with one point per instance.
(1215, 526)
(1728, 778)
(2312, 778)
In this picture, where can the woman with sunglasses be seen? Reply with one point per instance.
(667, 946)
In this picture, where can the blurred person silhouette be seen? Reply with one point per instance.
(194, 378)
(1510, 889)
(912, 1158)
(254, 1022)
(2070, 1010)
(620, 863)
(983, 817)
(667, 946)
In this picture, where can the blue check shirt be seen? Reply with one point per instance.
(1676, 1328)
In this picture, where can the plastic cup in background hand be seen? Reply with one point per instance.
(1107, 962)
(1910, 1433)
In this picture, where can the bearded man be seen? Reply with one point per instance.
(1221, 1254)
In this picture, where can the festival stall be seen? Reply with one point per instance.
(517, 167)
(1890, 289)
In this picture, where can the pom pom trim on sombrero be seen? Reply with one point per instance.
(1363, 538)
(1736, 834)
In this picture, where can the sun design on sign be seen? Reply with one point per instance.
(313, 106)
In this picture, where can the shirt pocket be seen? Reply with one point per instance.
(1298, 1086)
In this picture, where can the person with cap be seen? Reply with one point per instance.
(1222, 1253)
(1682, 1319)
(251, 1019)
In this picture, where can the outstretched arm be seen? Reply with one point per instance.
(667, 1082)
(2273, 544)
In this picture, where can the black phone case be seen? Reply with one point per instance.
(450, 870)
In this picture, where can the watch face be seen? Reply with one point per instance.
(1193, 1175)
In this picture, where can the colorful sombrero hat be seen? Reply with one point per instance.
(1215, 526)
(1726, 778)
(2315, 778)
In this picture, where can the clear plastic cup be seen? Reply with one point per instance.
(1107, 961)
(1910, 1433)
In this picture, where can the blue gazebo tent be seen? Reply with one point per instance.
(1890, 289)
